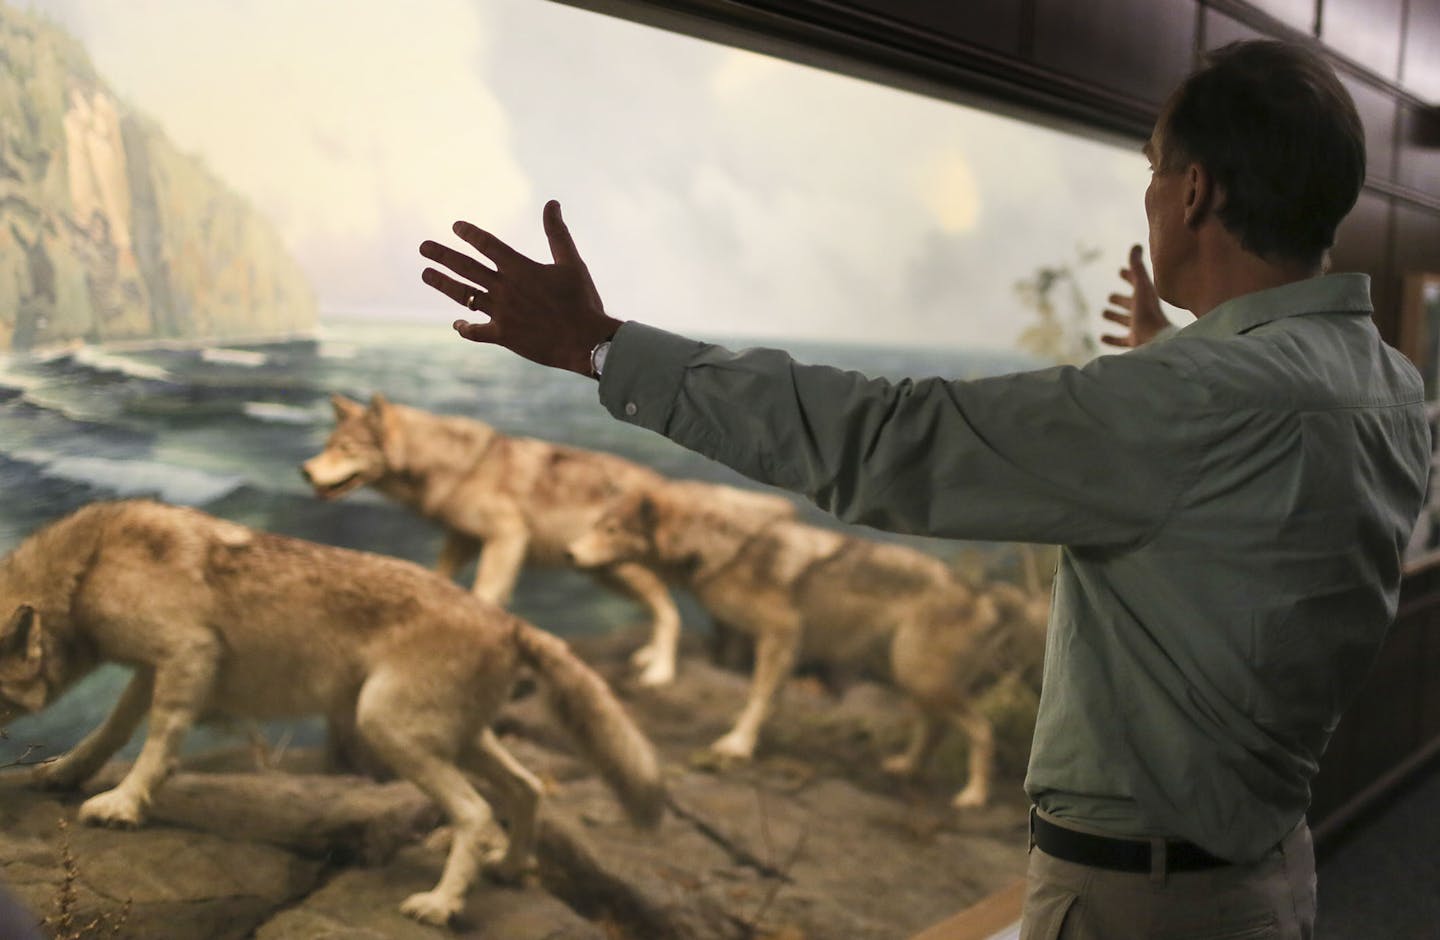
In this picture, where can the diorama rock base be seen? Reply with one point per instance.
(810, 841)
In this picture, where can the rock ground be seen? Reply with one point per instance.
(808, 842)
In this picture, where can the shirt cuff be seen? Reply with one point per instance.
(643, 374)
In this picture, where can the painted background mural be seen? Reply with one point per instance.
(209, 215)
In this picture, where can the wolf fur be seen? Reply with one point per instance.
(217, 619)
(524, 499)
(805, 591)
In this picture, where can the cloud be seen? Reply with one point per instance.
(948, 187)
(710, 189)
(335, 119)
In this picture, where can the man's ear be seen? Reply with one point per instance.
(1203, 195)
(345, 408)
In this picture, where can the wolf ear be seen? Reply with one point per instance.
(21, 636)
(345, 408)
(386, 423)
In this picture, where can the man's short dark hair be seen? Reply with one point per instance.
(1276, 129)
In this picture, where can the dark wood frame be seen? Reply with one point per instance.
(1414, 338)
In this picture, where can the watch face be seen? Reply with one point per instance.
(597, 357)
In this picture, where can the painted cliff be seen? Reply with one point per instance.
(107, 231)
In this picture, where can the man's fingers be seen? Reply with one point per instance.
(1115, 316)
(562, 246)
(466, 295)
(1117, 341)
(1138, 272)
(477, 332)
(1125, 301)
(462, 264)
(488, 245)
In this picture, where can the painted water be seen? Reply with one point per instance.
(225, 428)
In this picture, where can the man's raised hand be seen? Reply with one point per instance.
(1139, 311)
(548, 313)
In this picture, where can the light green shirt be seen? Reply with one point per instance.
(1233, 502)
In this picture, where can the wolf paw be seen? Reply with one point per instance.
(733, 747)
(432, 907)
(972, 797)
(114, 809)
(643, 657)
(898, 765)
(500, 868)
(660, 671)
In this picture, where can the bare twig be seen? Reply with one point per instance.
(62, 921)
(753, 924)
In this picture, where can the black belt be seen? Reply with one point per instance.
(1082, 848)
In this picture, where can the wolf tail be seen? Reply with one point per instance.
(594, 718)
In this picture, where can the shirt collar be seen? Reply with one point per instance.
(1332, 293)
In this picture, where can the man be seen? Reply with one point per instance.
(1232, 498)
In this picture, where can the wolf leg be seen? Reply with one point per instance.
(457, 552)
(774, 658)
(924, 735)
(500, 565)
(518, 792)
(183, 681)
(981, 759)
(656, 658)
(86, 758)
(407, 739)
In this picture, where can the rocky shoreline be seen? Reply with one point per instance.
(811, 841)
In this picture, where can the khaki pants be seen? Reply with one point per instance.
(1272, 898)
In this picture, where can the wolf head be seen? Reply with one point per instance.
(625, 532)
(366, 446)
(23, 685)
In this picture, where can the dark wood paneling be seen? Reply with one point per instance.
(995, 24)
(1221, 30)
(1419, 158)
(1417, 248)
(1368, 31)
(1137, 47)
(1378, 112)
(1297, 13)
(1383, 722)
(1362, 243)
(1420, 72)
(1429, 665)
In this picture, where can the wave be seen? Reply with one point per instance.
(248, 358)
(130, 477)
(279, 414)
(97, 360)
(333, 350)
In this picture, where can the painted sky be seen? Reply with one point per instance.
(710, 190)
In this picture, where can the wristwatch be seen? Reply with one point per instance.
(597, 357)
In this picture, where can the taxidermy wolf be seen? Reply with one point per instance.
(219, 620)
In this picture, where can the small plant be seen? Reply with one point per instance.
(63, 922)
(1059, 337)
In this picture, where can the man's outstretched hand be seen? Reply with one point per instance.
(548, 313)
(1139, 312)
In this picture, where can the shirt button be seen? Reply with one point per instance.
(630, 409)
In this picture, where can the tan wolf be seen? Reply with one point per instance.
(523, 498)
(217, 619)
(801, 590)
